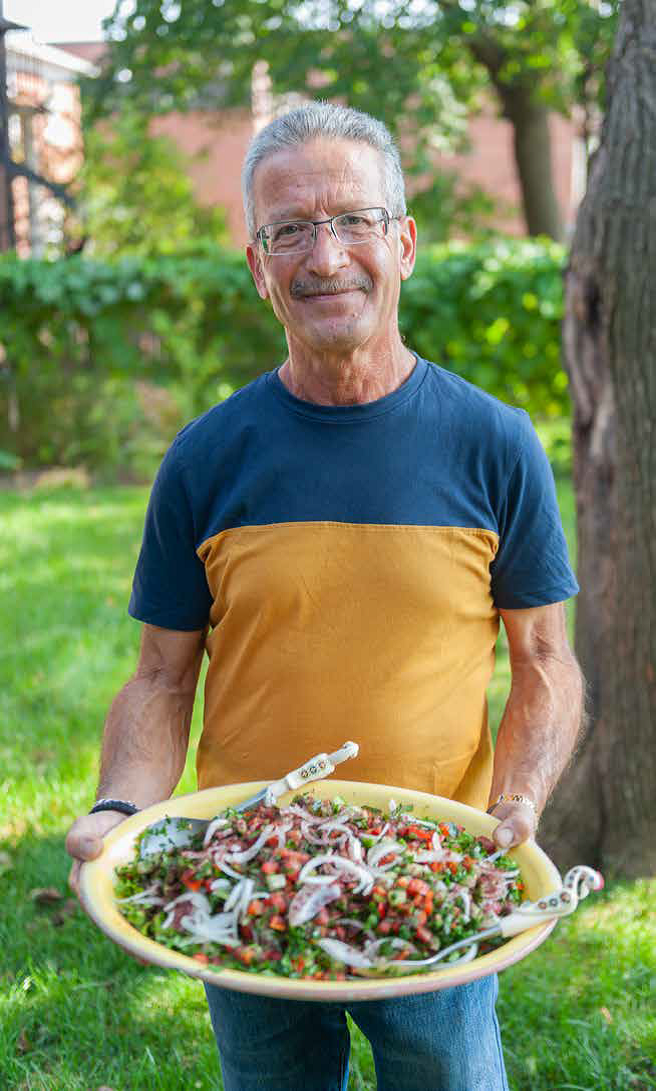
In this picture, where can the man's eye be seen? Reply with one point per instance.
(285, 230)
(353, 219)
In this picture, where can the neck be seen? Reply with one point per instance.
(349, 379)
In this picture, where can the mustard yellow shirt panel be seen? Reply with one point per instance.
(325, 631)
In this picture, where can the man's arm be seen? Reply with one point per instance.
(542, 719)
(146, 734)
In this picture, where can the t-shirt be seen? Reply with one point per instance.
(350, 562)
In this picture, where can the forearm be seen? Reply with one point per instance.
(540, 727)
(145, 739)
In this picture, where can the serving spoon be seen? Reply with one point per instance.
(577, 884)
(178, 831)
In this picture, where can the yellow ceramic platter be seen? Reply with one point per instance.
(97, 895)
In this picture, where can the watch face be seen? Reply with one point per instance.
(97, 895)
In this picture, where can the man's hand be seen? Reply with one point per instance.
(517, 823)
(85, 840)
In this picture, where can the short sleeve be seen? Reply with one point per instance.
(169, 587)
(532, 566)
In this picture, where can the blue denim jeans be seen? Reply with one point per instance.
(440, 1041)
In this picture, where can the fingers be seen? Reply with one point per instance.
(85, 837)
(517, 824)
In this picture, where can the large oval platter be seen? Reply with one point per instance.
(97, 895)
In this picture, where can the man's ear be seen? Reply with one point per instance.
(257, 272)
(408, 244)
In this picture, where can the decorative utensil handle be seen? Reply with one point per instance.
(577, 884)
(318, 767)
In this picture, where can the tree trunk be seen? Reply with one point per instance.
(604, 810)
(532, 148)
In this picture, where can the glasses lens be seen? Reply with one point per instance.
(355, 227)
(287, 238)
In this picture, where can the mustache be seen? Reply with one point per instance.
(303, 288)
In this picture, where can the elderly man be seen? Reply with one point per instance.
(348, 529)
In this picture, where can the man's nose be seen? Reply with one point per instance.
(328, 253)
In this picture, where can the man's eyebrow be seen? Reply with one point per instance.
(286, 215)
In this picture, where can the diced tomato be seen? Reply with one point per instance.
(385, 927)
(244, 954)
(272, 841)
(420, 832)
(395, 925)
(375, 831)
(382, 909)
(298, 964)
(467, 862)
(421, 917)
(294, 856)
(322, 916)
(340, 932)
(278, 923)
(246, 932)
(200, 957)
(269, 867)
(437, 865)
(403, 881)
(293, 873)
(444, 829)
(452, 866)
(418, 886)
(256, 908)
(277, 899)
(190, 881)
(424, 934)
(379, 891)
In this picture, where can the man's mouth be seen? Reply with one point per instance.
(304, 290)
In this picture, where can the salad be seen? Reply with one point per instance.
(319, 889)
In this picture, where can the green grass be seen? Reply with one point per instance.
(75, 1013)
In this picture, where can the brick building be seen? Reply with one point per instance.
(44, 135)
(215, 143)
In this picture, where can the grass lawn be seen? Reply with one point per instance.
(75, 1013)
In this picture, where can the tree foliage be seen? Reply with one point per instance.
(135, 193)
(419, 66)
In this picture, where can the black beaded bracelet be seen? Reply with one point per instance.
(121, 805)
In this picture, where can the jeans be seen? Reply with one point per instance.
(441, 1041)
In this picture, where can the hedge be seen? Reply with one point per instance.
(101, 363)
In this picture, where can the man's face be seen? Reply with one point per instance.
(335, 297)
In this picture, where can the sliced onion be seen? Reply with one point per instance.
(215, 824)
(211, 929)
(246, 896)
(377, 852)
(249, 853)
(345, 953)
(309, 900)
(234, 895)
(219, 861)
(340, 862)
(356, 850)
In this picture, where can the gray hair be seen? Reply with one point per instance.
(324, 120)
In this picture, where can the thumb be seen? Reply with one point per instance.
(504, 835)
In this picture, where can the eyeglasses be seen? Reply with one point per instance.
(299, 236)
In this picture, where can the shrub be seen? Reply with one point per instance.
(100, 362)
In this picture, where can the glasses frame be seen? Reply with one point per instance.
(386, 219)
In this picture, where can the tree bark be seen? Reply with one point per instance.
(604, 810)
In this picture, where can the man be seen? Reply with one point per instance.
(349, 527)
